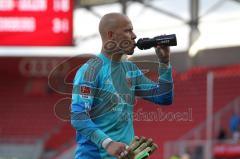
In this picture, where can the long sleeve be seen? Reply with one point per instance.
(82, 103)
(160, 92)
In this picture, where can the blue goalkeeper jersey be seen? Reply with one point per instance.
(103, 97)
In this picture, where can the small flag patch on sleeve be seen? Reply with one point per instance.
(85, 90)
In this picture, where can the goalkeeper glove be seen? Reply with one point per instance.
(140, 148)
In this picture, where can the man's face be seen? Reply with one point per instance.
(125, 37)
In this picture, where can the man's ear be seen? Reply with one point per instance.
(110, 34)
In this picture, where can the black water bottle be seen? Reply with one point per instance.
(165, 40)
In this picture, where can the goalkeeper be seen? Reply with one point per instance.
(104, 93)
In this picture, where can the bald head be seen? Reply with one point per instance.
(110, 22)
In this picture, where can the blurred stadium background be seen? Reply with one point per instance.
(43, 42)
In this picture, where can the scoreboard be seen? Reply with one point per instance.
(36, 22)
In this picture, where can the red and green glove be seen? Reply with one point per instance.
(140, 148)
